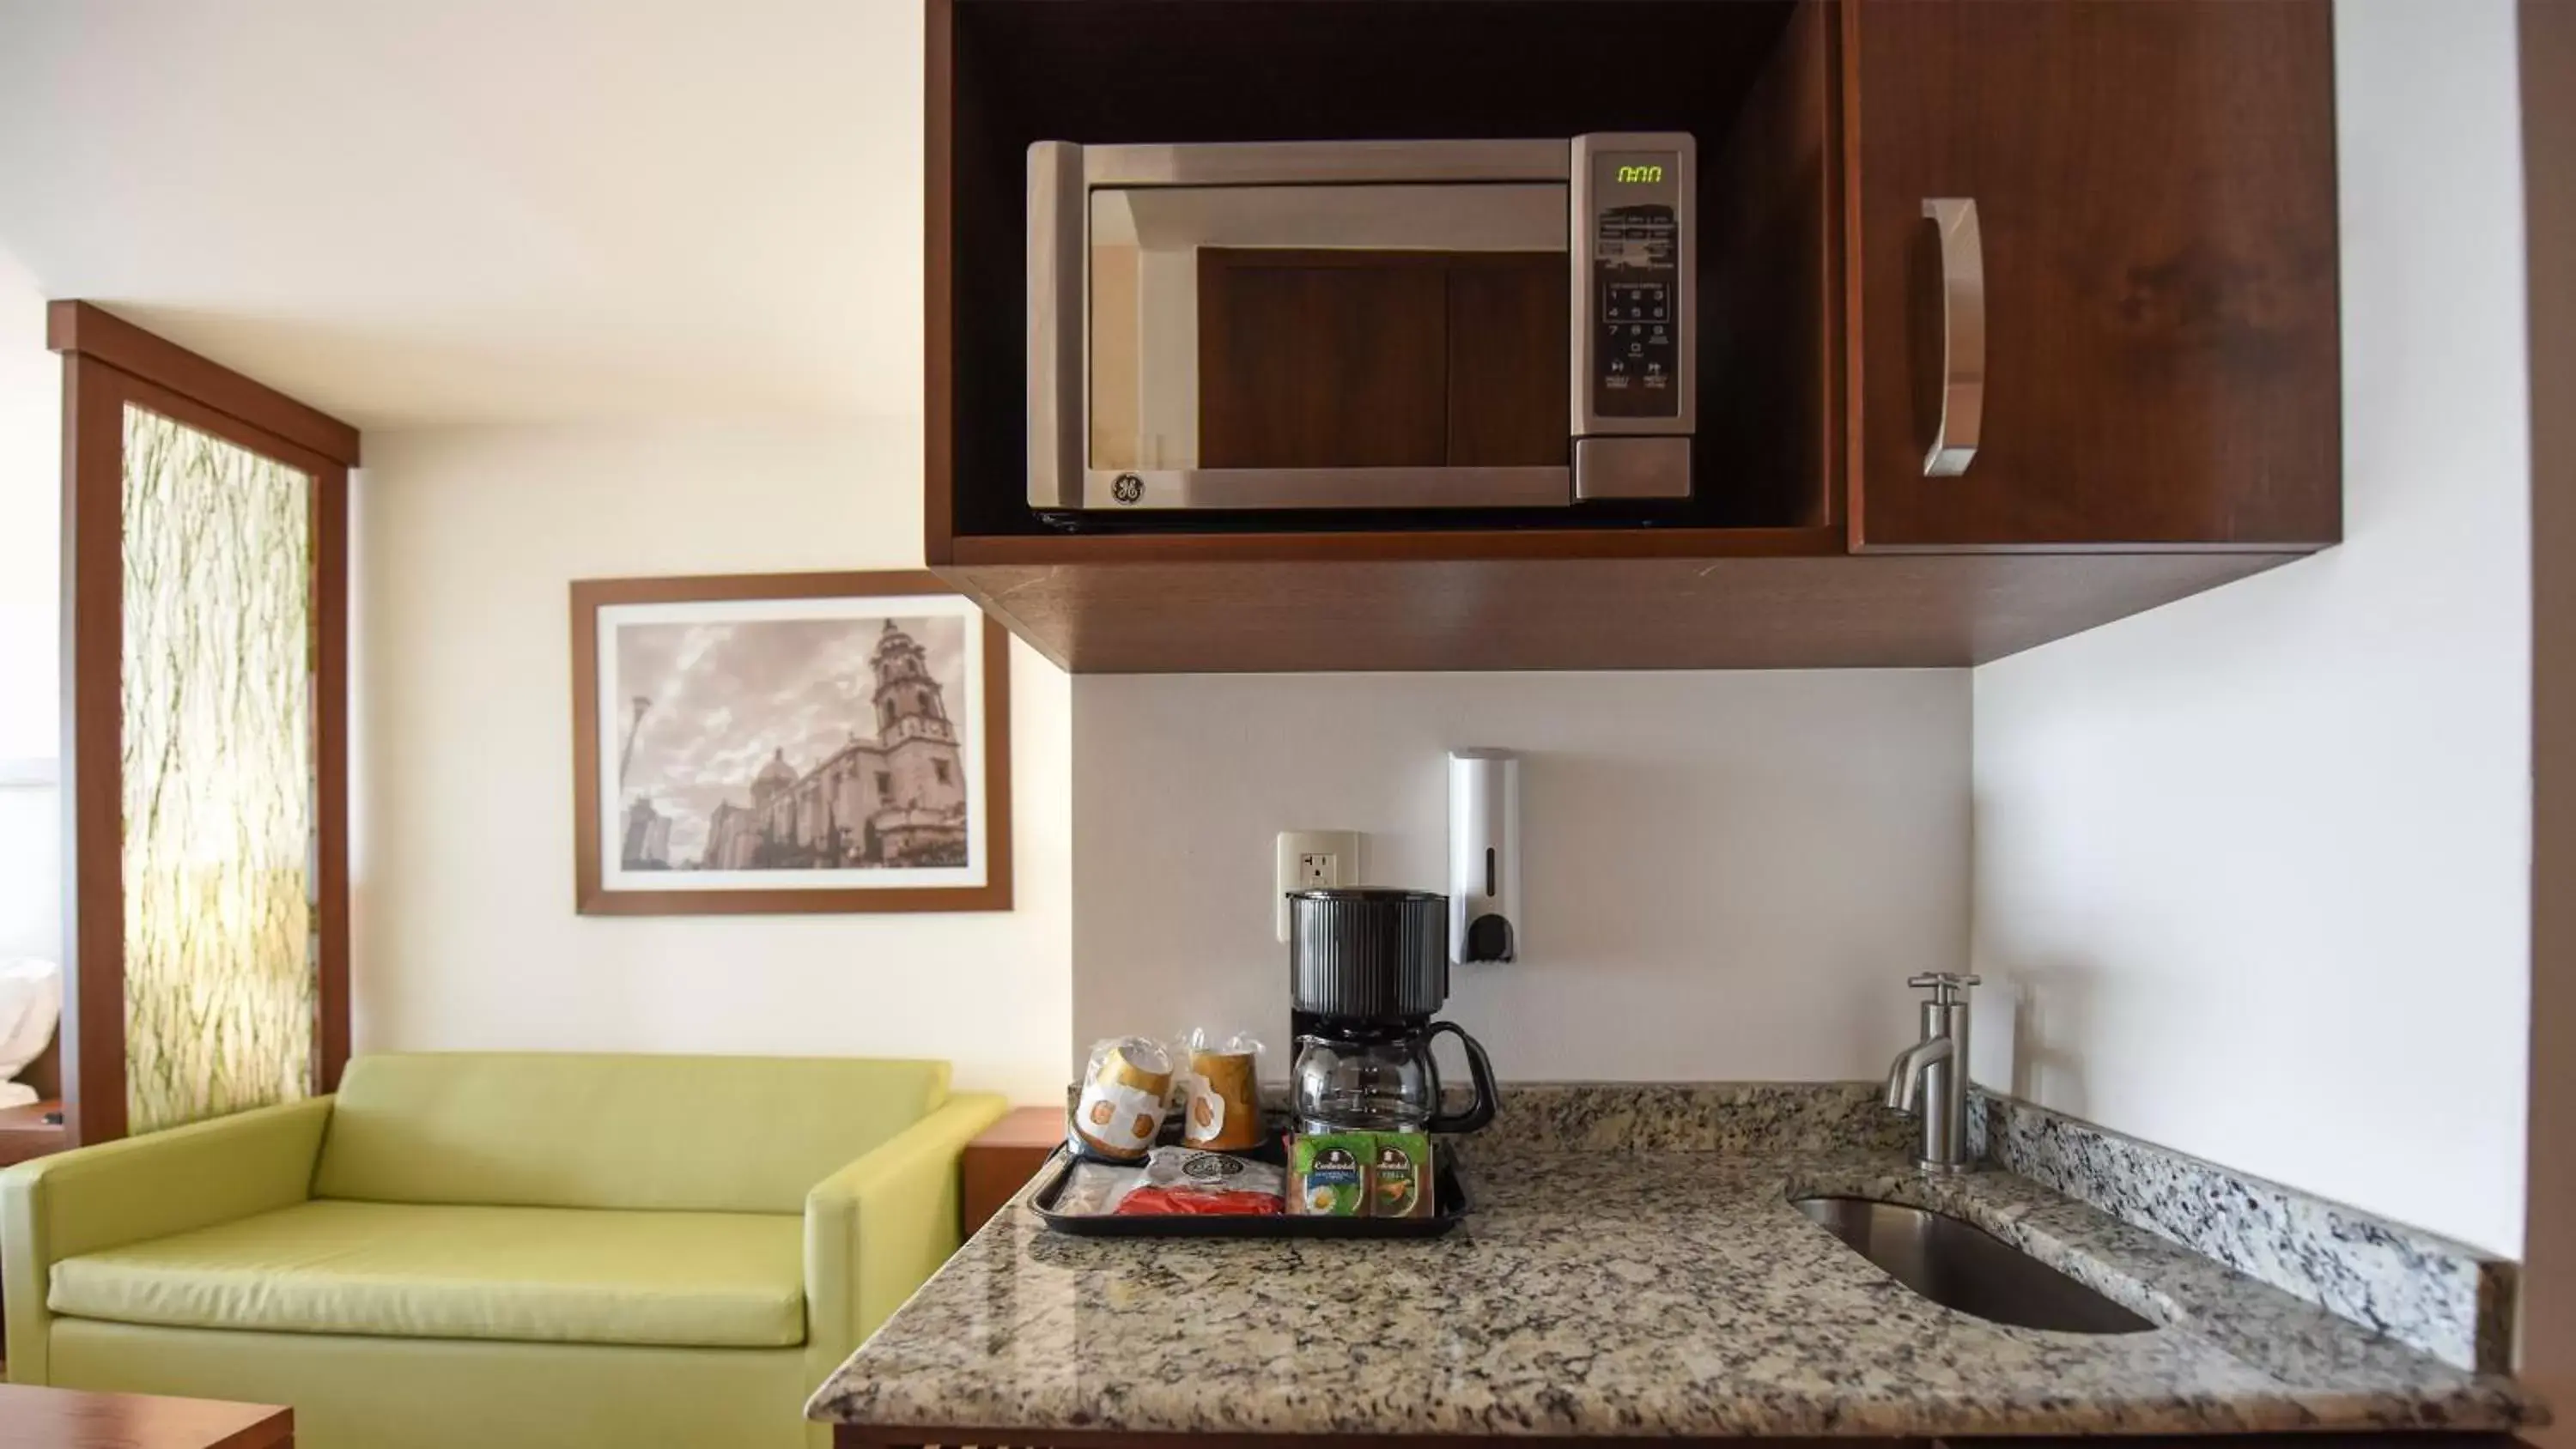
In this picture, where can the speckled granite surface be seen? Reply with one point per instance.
(1733, 1117)
(2444, 1297)
(1632, 1267)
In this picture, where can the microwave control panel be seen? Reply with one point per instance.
(1634, 284)
(1637, 308)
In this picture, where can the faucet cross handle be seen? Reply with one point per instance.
(1947, 987)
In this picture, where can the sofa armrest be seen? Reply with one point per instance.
(140, 1188)
(878, 1228)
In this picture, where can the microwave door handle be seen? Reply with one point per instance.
(1963, 337)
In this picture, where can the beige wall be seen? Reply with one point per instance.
(1729, 875)
(465, 930)
(2215, 846)
(2549, 208)
(2253, 870)
(31, 430)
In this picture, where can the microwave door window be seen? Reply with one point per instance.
(1322, 359)
(1328, 327)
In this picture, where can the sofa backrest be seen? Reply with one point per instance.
(677, 1133)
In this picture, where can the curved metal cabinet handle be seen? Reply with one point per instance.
(1963, 337)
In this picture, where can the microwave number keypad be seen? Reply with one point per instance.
(1637, 284)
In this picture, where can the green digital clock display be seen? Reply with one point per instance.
(1640, 175)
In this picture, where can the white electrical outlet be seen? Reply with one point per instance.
(1312, 860)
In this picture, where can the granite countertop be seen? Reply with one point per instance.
(1635, 1292)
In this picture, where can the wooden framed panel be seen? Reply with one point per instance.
(112, 368)
(2547, 36)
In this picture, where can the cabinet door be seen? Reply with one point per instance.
(2148, 264)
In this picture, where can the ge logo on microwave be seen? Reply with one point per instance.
(1128, 488)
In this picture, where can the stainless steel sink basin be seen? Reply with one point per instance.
(1960, 1266)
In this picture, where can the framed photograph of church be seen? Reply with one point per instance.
(770, 743)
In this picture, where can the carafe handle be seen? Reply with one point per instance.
(1480, 1073)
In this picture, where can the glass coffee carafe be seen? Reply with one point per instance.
(1366, 970)
(1383, 1079)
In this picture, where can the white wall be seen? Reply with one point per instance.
(465, 930)
(31, 432)
(1729, 875)
(2252, 869)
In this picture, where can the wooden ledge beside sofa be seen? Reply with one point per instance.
(32, 1418)
(500, 1249)
(24, 1132)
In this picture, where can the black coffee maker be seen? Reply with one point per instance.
(1366, 970)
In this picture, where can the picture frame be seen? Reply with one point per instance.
(763, 744)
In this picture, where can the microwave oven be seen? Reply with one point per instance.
(1360, 325)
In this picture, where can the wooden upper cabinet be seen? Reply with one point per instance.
(2160, 413)
(2154, 199)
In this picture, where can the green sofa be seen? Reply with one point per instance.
(500, 1249)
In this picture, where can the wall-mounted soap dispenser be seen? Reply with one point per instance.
(1484, 856)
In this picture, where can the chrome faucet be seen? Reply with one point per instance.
(1931, 1077)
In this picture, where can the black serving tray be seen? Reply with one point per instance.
(1448, 1204)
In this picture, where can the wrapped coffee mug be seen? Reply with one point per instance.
(1222, 1109)
(1121, 1108)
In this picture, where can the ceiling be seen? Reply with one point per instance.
(485, 210)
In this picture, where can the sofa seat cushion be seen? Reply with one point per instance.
(401, 1270)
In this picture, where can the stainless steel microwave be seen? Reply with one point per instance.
(1361, 325)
